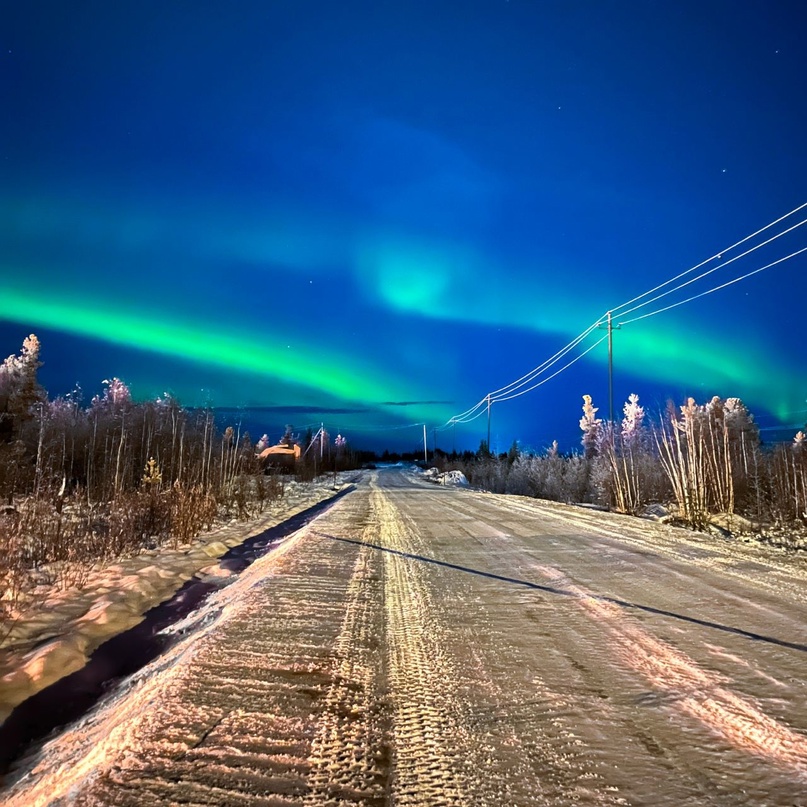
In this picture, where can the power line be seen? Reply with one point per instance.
(519, 387)
(383, 428)
(488, 399)
(506, 392)
(710, 271)
(466, 414)
(527, 377)
(458, 419)
(716, 256)
(715, 288)
(557, 372)
(623, 309)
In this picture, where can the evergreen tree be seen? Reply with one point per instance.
(632, 422)
(591, 426)
(20, 391)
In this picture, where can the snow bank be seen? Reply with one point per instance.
(453, 478)
(57, 633)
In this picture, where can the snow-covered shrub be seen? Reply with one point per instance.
(116, 396)
(709, 453)
(551, 476)
(741, 446)
(490, 474)
(518, 478)
(267, 489)
(681, 451)
(624, 473)
(787, 491)
(633, 431)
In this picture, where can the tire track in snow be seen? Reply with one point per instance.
(426, 725)
(469, 728)
(692, 690)
(238, 721)
(350, 753)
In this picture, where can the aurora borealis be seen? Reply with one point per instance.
(375, 213)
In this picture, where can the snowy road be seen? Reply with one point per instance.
(418, 645)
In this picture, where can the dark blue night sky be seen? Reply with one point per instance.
(373, 214)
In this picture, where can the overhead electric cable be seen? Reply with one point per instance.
(512, 395)
(715, 288)
(717, 256)
(527, 377)
(468, 411)
(519, 387)
(469, 419)
(549, 378)
(464, 417)
(383, 428)
(480, 407)
(710, 271)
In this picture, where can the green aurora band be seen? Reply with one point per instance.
(195, 341)
(439, 280)
(449, 283)
(431, 279)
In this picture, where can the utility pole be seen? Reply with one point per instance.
(434, 435)
(453, 437)
(425, 449)
(488, 444)
(609, 325)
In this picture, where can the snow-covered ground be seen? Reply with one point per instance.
(57, 632)
(419, 644)
(452, 478)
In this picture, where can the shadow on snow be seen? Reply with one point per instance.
(758, 637)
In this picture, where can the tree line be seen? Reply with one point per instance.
(706, 462)
(82, 482)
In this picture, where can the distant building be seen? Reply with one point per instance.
(280, 456)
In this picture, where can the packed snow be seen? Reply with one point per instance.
(59, 629)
